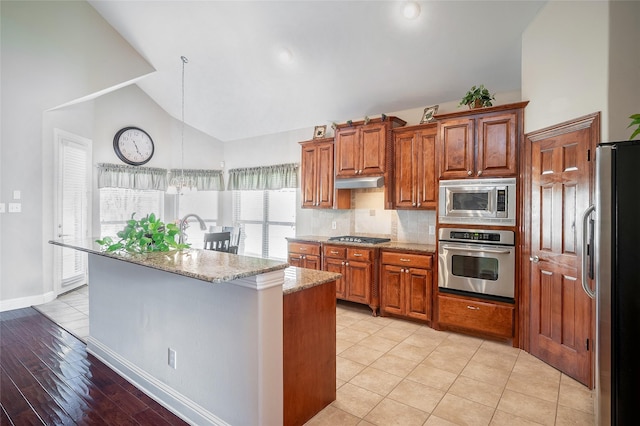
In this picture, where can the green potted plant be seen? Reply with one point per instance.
(146, 235)
(477, 97)
(635, 121)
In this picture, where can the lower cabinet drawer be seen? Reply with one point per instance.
(485, 317)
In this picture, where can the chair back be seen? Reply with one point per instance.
(218, 241)
(235, 237)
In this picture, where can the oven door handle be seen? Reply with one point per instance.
(492, 251)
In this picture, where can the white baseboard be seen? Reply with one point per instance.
(183, 407)
(25, 302)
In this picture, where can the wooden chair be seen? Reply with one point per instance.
(218, 241)
(235, 238)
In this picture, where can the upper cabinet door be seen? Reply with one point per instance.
(308, 175)
(497, 142)
(347, 151)
(373, 147)
(456, 148)
(404, 168)
(426, 181)
(325, 175)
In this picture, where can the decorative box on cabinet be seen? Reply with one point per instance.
(304, 255)
(405, 285)
(481, 142)
(358, 268)
(414, 174)
(316, 171)
(481, 316)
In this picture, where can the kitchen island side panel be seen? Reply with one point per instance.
(227, 338)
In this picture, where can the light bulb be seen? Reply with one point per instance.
(411, 10)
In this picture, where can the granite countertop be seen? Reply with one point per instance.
(296, 279)
(205, 265)
(391, 245)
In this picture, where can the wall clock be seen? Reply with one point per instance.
(133, 146)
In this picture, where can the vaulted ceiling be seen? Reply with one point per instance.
(343, 59)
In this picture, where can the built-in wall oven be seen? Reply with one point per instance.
(477, 262)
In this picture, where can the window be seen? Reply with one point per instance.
(118, 204)
(266, 218)
(205, 205)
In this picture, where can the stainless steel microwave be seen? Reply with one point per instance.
(478, 201)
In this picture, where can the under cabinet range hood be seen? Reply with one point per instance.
(359, 182)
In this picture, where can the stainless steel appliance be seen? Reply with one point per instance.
(362, 240)
(614, 262)
(478, 201)
(476, 261)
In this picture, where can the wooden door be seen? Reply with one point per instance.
(324, 181)
(457, 150)
(405, 173)
(426, 182)
(392, 289)
(561, 314)
(358, 281)
(497, 145)
(347, 151)
(308, 184)
(418, 284)
(373, 145)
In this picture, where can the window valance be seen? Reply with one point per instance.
(278, 176)
(130, 177)
(206, 180)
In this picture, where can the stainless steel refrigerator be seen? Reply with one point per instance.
(613, 258)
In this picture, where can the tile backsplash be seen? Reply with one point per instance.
(368, 217)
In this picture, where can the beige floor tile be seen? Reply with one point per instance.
(480, 392)
(346, 321)
(500, 418)
(431, 376)
(367, 326)
(570, 417)
(394, 365)
(528, 364)
(395, 334)
(499, 347)
(485, 373)
(496, 359)
(453, 347)
(378, 343)
(347, 369)
(417, 395)
(414, 353)
(341, 345)
(538, 386)
(576, 395)
(446, 361)
(463, 411)
(375, 380)
(361, 354)
(356, 400)
(423, 340)
(351, 335)
(332, 416)
(437, 421)
(392, 413)
(528, 407)
(405, 325)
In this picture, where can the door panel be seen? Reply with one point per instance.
(358, 281)
(308, 178)
(347, 149)
(419, 294)
(560, 311)
(373, 149)
(392, 296)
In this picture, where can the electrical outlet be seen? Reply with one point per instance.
(17, 195)
(173, 358)
(15, 207)
(3, 207)
(432, 230)
(333, 225)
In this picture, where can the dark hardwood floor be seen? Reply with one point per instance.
(47, 377)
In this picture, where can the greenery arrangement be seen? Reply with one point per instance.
(146, 235)
(478, 97)
(635, 121)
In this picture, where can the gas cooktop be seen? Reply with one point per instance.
(356, 239)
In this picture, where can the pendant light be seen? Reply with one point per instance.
(182, 184)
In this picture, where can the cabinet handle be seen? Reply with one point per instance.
(302, 248)
(473, 308)
(333, 252)
(479, 172)
(402, 259)
(469, 172)
(357, 254)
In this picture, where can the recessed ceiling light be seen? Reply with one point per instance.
(285, 55)
(411, 10)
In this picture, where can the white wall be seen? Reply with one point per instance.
(565, 63)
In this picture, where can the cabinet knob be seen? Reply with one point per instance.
(419, 204)
(343, 263)
(479, 172)
(414, 204)
(469, 172)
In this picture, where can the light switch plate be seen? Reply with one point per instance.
(15, 207)
(432, 230)
(3, 207)
(16, 194)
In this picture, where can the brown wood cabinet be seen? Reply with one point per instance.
(305, 255)
(361, 149)
(414, 175)
(317, 176)
(358, 268)
(470, 314)
(405, 285)
(480, 143)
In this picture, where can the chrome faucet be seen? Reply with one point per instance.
(184, 224)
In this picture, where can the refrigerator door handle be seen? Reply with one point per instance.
(587, 251)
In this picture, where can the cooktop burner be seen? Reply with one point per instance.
(364, 240)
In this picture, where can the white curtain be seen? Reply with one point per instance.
(131, 177)
(279, 176)
(206, 180)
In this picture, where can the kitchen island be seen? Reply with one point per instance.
(200, 331)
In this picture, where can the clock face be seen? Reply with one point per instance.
(133, 146)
